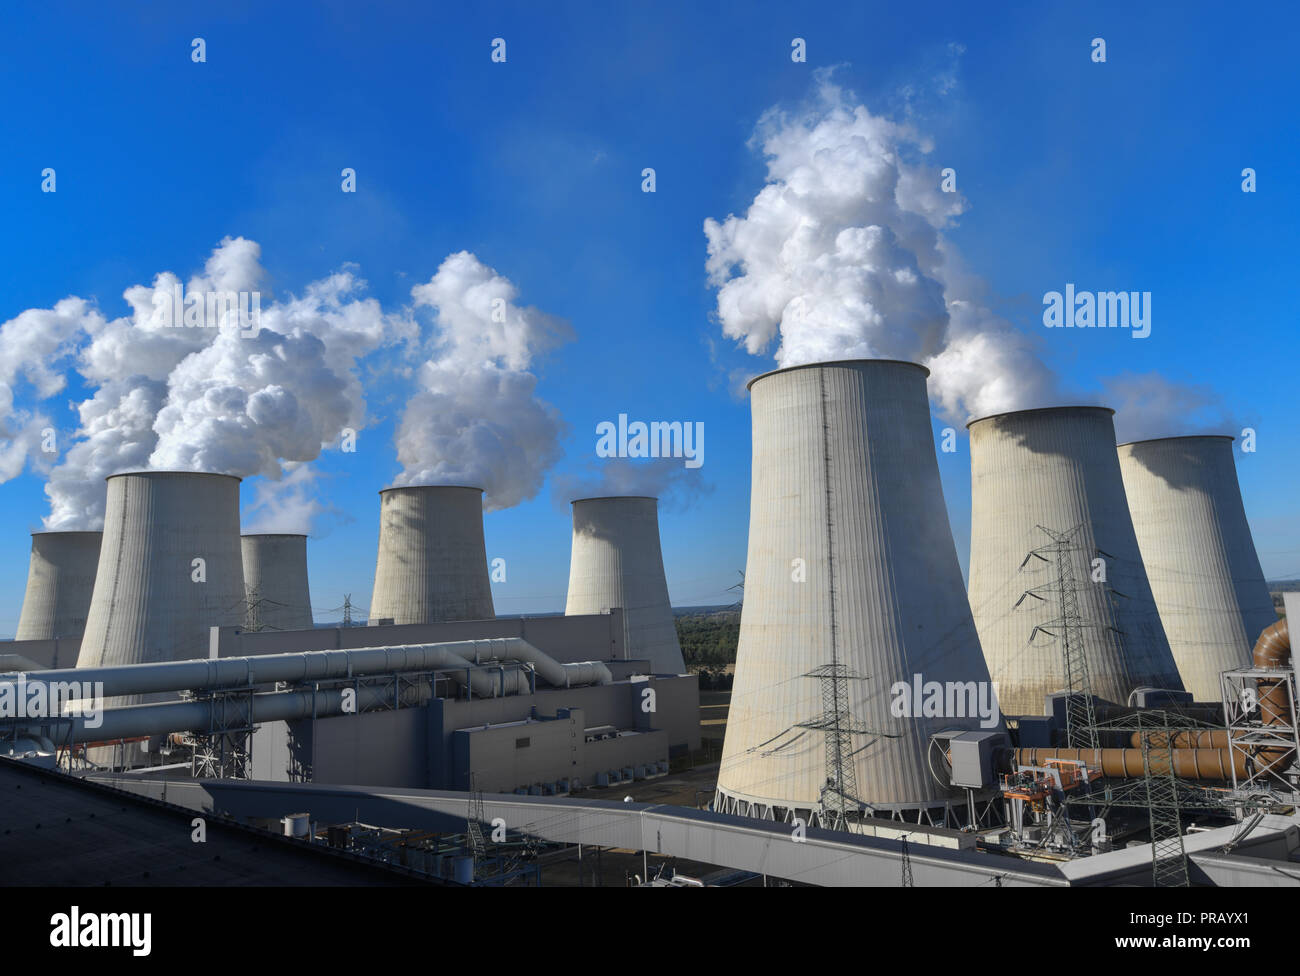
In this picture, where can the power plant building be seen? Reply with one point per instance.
(852, 590)
(60, 580)
(1196, 544)
(1049, 513)
(432, 560)
(616, 561)
(275, 577)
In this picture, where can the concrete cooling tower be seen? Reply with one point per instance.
(1058, 468)
(851, 566)
(432, 563)
(616, 562)
(275, 578)
(1191, 527)
(60, 579)
(152, 601)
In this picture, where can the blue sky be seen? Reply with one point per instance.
(1117, 175)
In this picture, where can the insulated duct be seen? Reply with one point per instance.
(1203, 755)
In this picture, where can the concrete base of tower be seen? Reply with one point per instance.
(961, 811)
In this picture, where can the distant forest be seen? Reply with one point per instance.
(708, 637)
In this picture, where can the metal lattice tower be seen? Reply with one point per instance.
(1161, 793)
(253, 616)
(1168, 856)
(907, 865)
(839, 795)
(347, 610)
(1066, 628)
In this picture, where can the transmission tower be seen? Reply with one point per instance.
(347, 610)
(1168, 857)
(907, 865)
(740, 603)
(1067, 629)
(839, 795)
(253, 617)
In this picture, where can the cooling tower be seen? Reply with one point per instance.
(275, 578)
(851, 564)
(1058, 468)
(432, 563)
(153, 600)
(616, 562)
(1205, 575)
(60, 579)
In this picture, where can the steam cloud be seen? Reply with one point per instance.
(676, 486)
(841, 256)
(1147, 405)
(477, 419)
(198, 399)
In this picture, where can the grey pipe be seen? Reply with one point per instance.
(196, 716)
(238, 672)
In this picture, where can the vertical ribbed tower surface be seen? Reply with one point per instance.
(275, 577)
(149, 604)
(1058, 467)
(845, 496)
(616, 561)
(432, 561)
(60, 580)
(1196, 544)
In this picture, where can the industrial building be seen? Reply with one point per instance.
(1196, 545)
(1050, 519)
(275, 578)
(60, 580)
(617, 562)
(852, 586)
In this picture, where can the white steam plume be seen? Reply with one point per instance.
(1147, 405)
(841, 256)
(477, 419)
(211, 399)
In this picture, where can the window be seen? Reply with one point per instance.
(523, 743)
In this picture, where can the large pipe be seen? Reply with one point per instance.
(1211, 764)
(136, 679)
(145, 720)
(1200, 754)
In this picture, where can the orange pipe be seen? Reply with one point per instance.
(1197, 755)
(1212, 764)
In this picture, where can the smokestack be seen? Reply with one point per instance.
(432, 562)
(275, 578)
(60, 579)
(1191, 527)
(617, 562)
(169, 570)
(851, 563)
(1058, 468)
